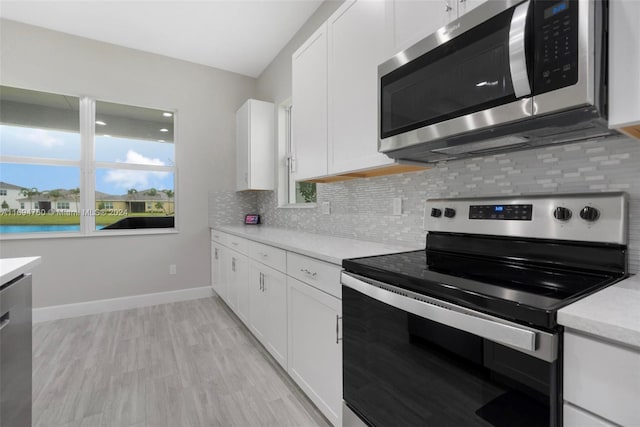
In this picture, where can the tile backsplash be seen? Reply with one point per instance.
(362, 208)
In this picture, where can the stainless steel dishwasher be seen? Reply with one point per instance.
(15, 352)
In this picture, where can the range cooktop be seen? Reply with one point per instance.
(519, 259)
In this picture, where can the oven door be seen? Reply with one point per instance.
(469, 75)
(409, 360)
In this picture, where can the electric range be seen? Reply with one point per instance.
(465, 331)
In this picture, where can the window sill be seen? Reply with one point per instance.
(97, 233)
(299, 206)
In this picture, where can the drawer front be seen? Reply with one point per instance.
(219, 237)
(238, 244)
(318, 274)
(576, 417)
(602, 378)
(268, 255)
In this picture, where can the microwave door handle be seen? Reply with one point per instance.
(517, 53)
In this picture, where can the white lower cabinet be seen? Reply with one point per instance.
(238, 284)
(291, 304)
(315, 347)
(576, 417)
(218, 269)
(601, 378)
(268, 309)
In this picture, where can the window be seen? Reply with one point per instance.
(290, 192)
(3, 192)
(72, 165)
(135, 160)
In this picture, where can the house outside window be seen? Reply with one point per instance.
(66, 153)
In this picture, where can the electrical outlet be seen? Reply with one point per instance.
(172, 269)
(397, 206)
(326, 208)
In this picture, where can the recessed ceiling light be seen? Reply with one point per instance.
(108, 136)
(167, 114)
(161, 140)
(164, 130)
(100, 122)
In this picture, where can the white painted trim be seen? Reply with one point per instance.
(54, 312)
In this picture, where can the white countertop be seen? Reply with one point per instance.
(612, 313)
(326, 248)
(10, 268)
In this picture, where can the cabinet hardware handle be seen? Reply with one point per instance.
(233, 264)
(216, 253)
(447, 7)
(338, 339)
(462, 1)
(4, 320)
(313, 275)
(261, 281)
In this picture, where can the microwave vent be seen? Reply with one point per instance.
(484, 146)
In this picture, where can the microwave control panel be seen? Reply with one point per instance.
(556, 44)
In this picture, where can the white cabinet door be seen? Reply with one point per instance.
(242, 147)
(274, 287)
(624, 66)
(357, 44)
(255, 148)
(315, 347)
(309, 113)
(412, 20)
(268, 309)
(218, 270)
(466, 6)
(241, 285)
(257, 306)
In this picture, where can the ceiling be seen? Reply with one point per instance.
(242, 36)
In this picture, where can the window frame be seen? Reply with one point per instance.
(286, 189)
(88, 166)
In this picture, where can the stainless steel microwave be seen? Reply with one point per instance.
(508, 75)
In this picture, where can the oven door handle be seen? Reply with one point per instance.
(493, 329)
(517, 52)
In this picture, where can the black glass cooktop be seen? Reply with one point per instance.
(507, 288)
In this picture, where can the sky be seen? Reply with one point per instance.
(54, 144)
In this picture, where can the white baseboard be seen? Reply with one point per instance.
(54, 312)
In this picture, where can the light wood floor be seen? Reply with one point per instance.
(182, 364)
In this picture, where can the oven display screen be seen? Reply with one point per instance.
(501, 212)
(556, 8)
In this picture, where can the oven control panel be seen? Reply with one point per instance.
(501, 212)
(592, 217)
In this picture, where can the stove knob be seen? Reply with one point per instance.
(449, 213)
(562, 214)
(436, 213)
(589, 214)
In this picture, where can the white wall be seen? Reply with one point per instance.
(84, 269)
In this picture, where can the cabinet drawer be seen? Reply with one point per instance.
(602, 378)
(238, 244)
(318, 274)
(219, 237)
(268, 255)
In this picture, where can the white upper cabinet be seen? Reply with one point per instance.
(409, 21)
(357, 44)
(624, 66)
(309, 99)
(255, 166)
(466, 6)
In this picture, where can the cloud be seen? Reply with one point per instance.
(126, 179)
(42, 138)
